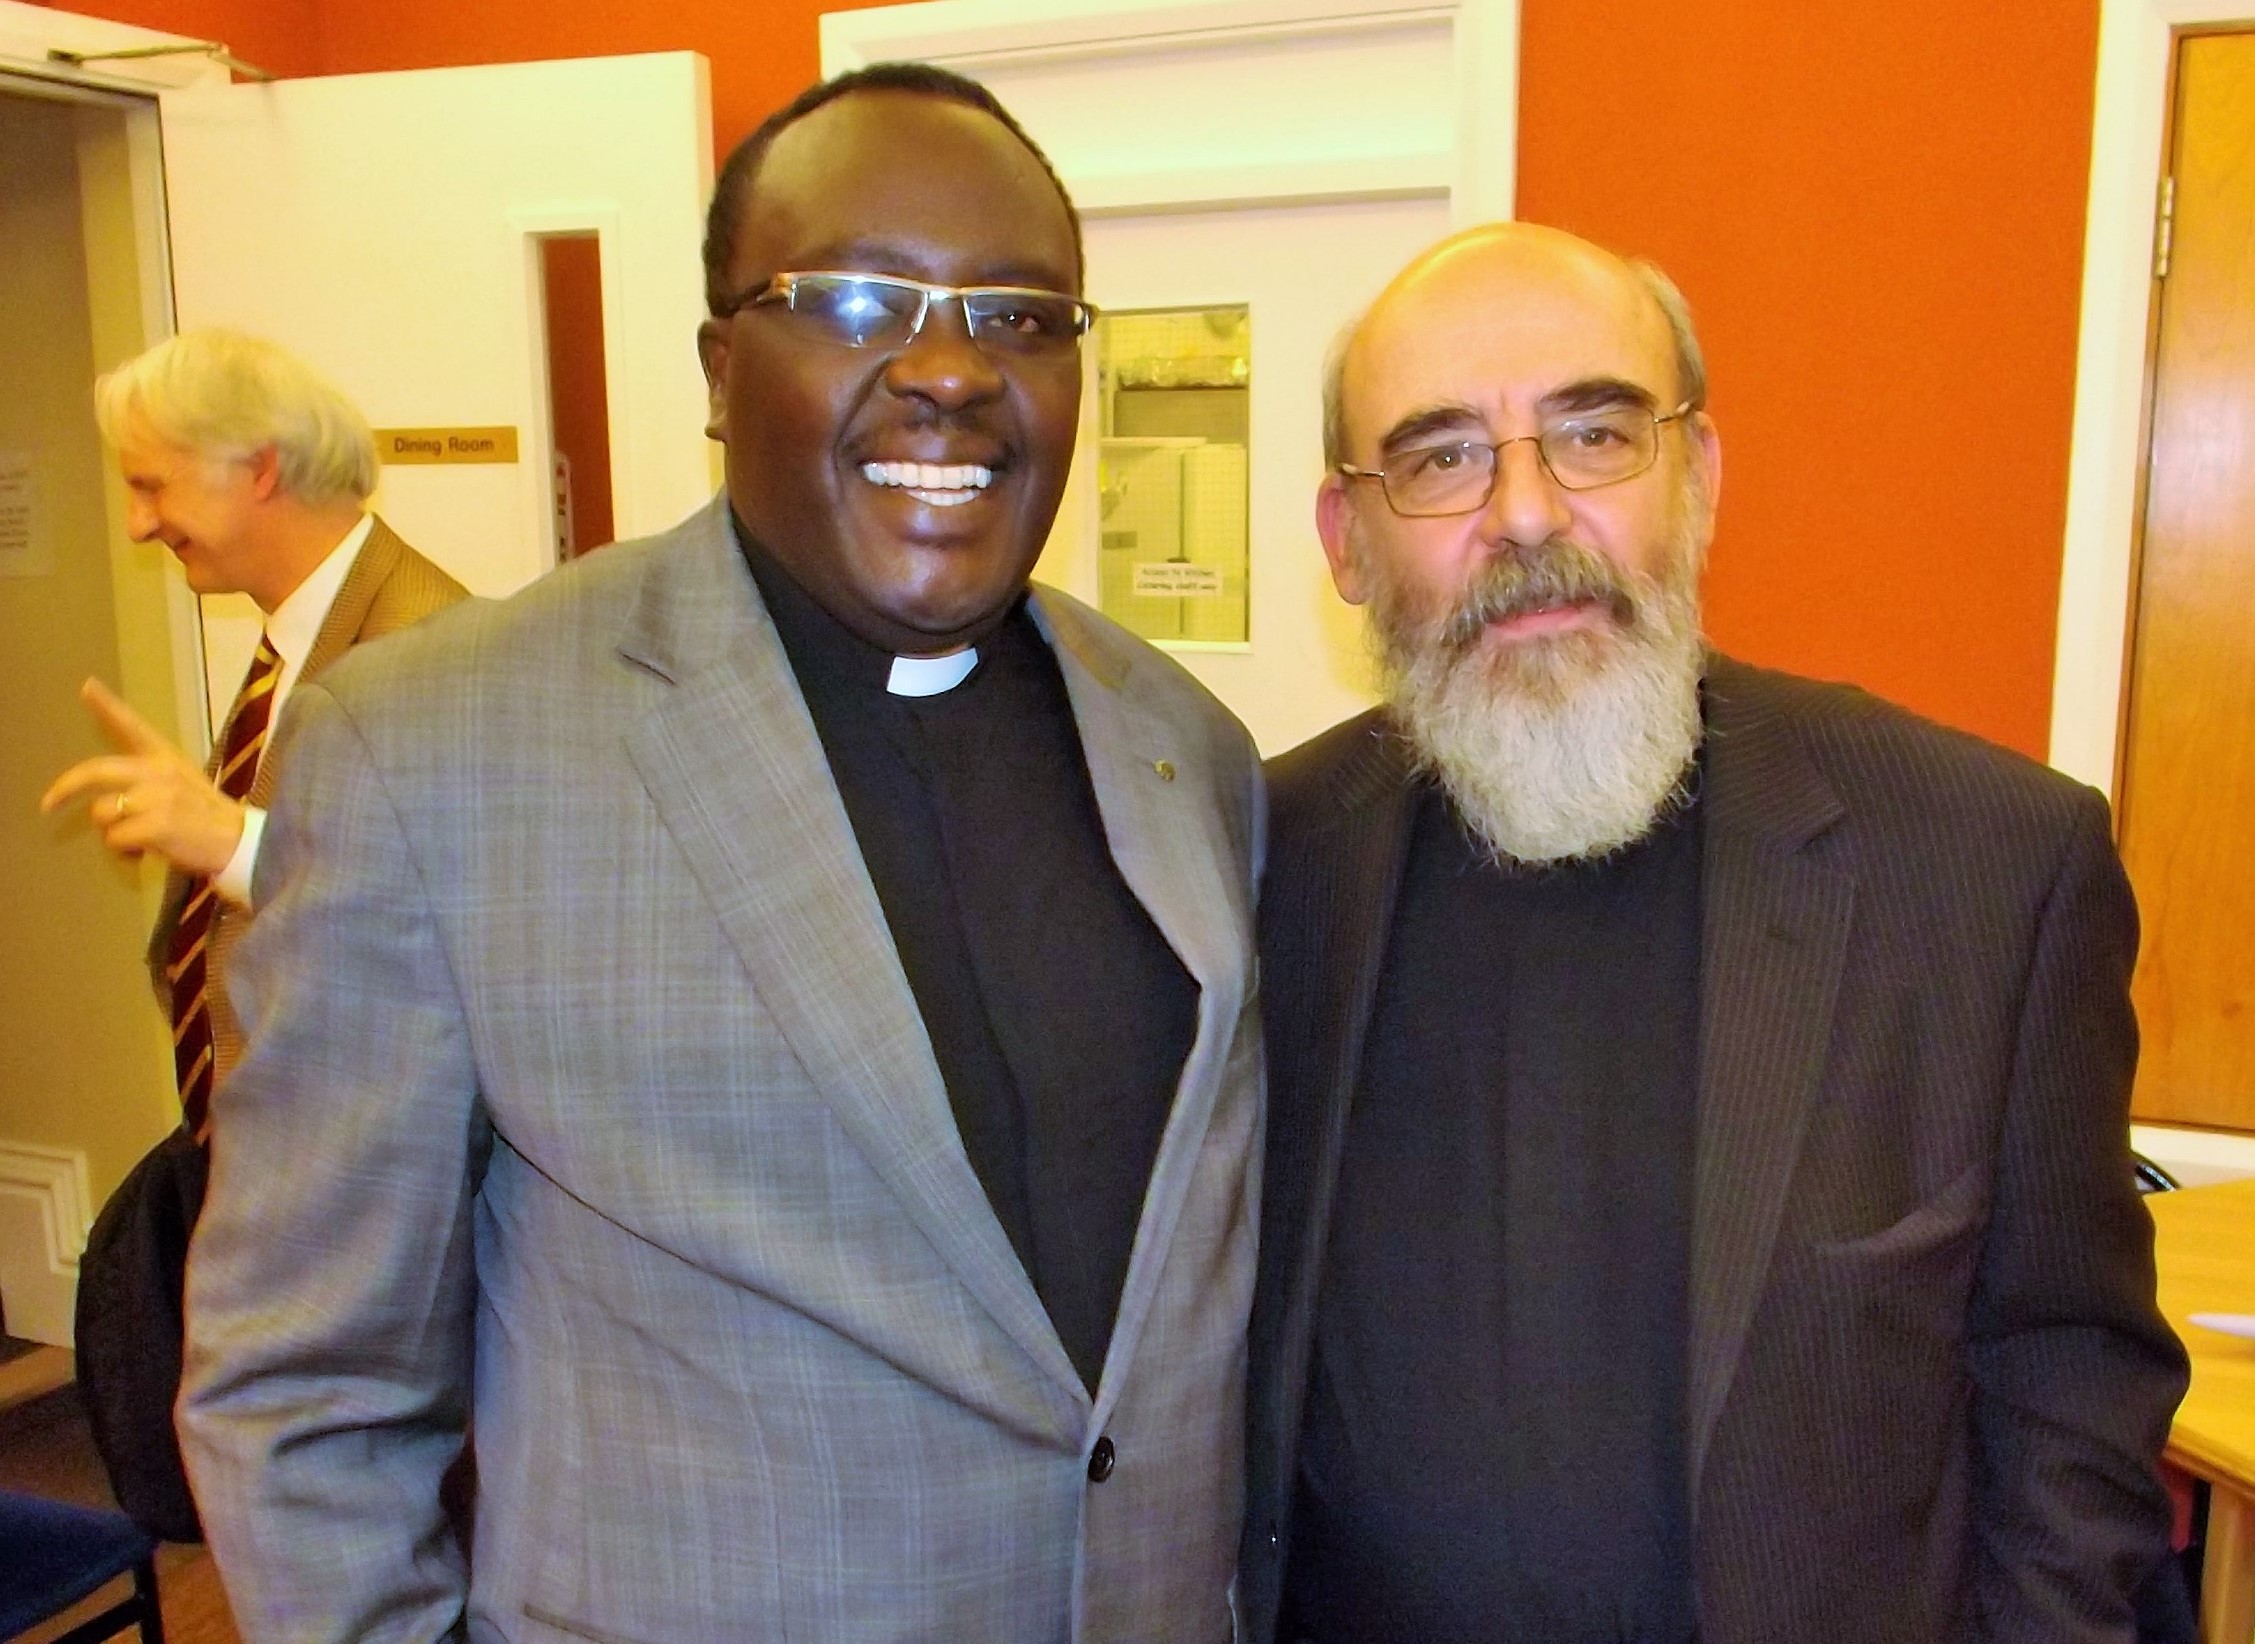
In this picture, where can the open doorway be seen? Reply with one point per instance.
(85, 1060)
(579, 407)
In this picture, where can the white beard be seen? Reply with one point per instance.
(1562, 748)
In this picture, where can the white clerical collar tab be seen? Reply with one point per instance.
(930, 675)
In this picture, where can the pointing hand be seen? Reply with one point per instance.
(148, 795)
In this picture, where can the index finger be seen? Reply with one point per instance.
(128, 731)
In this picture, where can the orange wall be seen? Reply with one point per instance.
(762, 53)
(1877, 211)
(280, 36)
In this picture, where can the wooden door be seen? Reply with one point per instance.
(2187, 788)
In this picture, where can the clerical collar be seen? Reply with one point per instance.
(814, 639)
(931, 675)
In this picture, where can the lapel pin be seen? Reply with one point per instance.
(1165, 768)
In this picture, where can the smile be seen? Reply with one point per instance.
(942, 485)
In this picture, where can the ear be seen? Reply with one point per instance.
(1335, 524)
(1707, 445)
(712, 354)
(265, 465)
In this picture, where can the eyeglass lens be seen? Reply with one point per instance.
(1581, 453)
(870, 312)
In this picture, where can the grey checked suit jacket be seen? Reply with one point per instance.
(1928, 1383)
(572, 1011)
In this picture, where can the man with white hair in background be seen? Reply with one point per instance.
(1698, 1199)
(255, 473)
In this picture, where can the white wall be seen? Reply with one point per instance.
(1307, 666)
(383, 225)
(1286, 154)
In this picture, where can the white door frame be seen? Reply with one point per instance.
(28, 35)
(1477, 167)
(2132, 114)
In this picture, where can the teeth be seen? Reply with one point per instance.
(943, 483)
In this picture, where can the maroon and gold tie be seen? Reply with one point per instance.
(240, 743)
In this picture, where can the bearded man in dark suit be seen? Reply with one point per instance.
(1698, 1201)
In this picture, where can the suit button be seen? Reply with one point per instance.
(1100, 1461)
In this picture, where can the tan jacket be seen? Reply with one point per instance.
(389, 587)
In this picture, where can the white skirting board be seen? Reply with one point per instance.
(45, 1209)
(2196, 1157)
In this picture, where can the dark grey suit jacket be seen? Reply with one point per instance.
(1928, 1382)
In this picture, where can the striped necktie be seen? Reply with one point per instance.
(193, 1049)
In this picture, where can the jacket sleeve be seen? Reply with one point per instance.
(2075, 1374)
(330, 1284)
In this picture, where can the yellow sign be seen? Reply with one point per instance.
(410, 445)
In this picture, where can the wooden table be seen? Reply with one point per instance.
(2204, 1245)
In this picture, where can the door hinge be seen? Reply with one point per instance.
(2164, 228)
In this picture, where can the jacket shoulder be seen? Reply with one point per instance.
(589, 595)
(1886, 760)
(1333, 773)
(412, 588)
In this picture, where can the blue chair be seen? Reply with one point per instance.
(53, 1554)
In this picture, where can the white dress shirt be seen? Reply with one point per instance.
(291, 627)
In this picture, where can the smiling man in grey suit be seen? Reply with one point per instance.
(759, 1026)
(1698, 1199)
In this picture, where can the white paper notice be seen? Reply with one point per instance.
(1170, 579)
(23, 548)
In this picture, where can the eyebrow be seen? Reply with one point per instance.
(1454, 417)
(1598, 394)
(1422, 424)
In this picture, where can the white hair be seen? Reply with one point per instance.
(228, 395)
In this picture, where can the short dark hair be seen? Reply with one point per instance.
(732, 189)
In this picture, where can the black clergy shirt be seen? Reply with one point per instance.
(1058, 1014)
(1494, 1450)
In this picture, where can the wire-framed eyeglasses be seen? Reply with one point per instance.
(1581, 453)
(887, 312)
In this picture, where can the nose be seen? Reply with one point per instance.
(1527, 507)
(941, 364)
(140, 516)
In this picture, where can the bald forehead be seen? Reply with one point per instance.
(1500, 321)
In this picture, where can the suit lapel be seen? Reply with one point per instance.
(1346, 877)
(1171, 850)
(377, 559)
(1361, 862)
(1776, 919)
(738, 775)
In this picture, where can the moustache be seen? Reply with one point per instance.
(1549, 577)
